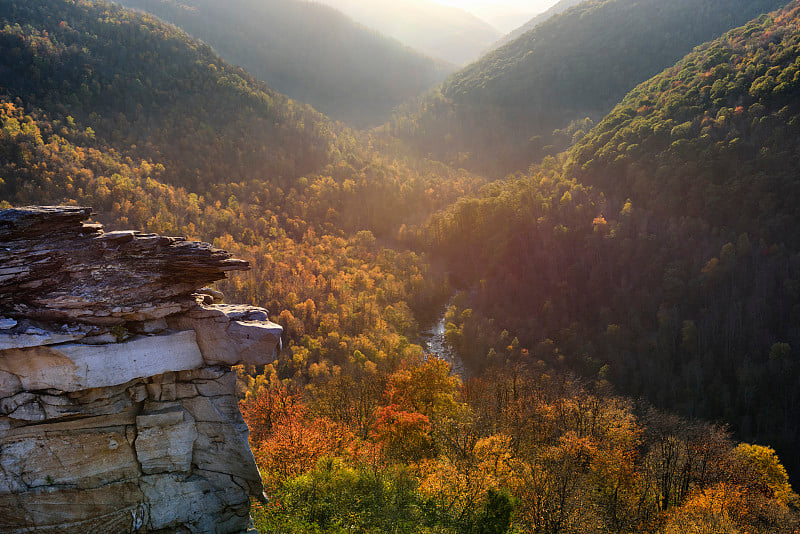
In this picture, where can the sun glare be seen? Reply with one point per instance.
(531, 6)
(505, 15)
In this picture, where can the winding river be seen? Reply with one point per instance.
(433, 341)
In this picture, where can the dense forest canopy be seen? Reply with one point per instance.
(663, 255)
(309, 52)
(141, 163)
(657, 259)
(156, 93)
(712, 138)
(526, 99)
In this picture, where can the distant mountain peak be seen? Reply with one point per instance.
(445, 32)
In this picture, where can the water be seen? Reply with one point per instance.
(433, 341)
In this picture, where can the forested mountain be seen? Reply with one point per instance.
(111, 108)
(443, 32)
(665, 254)
(354, 427)
(713, 138)
(555, 9)
(530, 97)
(156, 94)
(309, 52)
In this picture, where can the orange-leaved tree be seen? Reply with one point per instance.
(287, 440)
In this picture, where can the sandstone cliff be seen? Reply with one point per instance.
(117, 399)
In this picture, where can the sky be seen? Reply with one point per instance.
(505, 15)
(522, 5)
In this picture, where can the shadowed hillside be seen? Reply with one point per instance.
(665, 254)
(501, 113)
(308, 51)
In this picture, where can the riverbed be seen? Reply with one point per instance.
(433, 342)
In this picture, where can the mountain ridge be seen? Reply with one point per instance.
(440, 31)
(570, 289)
(308, 51)
(555, 9)
(527, 98)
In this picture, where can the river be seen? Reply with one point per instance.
(433, 341)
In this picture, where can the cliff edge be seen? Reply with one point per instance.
(118, 410)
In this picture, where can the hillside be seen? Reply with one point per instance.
(309, 52)
(442, 32)
(107, 107)
(506, 16)
(501, 113)
(663, 255)
(354, 427)
(713, 138)
(155, 94)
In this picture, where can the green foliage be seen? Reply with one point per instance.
(335, 498)
(498, 115)
(664, 253)
(120, 333)
(308, 51)
(155, 94)
(728, 157)
(495, 516)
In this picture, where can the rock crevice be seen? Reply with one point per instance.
(118, 407)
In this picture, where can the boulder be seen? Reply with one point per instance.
(228, 335)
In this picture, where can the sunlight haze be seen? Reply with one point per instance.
(506, 15)
(400, 266)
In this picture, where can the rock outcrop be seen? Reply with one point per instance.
(118, 410)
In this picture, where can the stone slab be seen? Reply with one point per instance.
(111, 508)
(75, 367)
(232, 335)
(165, 441)
(83, 461)
(195, 503)
(36, 339)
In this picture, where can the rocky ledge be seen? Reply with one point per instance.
(118, 410)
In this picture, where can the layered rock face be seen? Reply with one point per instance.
(118, 410)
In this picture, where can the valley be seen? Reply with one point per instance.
(594, 224)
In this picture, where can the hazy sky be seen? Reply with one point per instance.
(522, 5)
(533, 6)
(502, 13)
